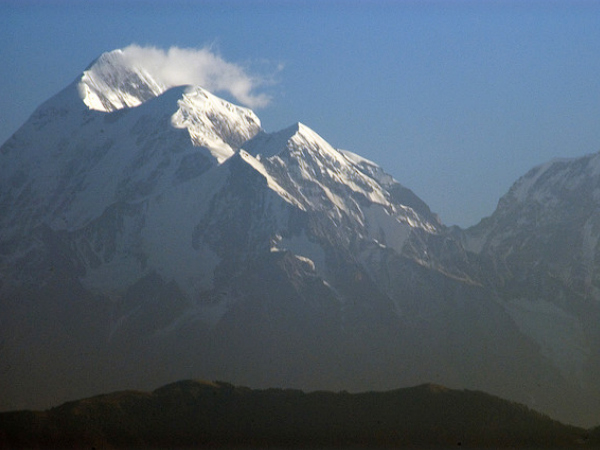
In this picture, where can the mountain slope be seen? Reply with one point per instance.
(112, 82)
(151, 233)
(192, 413)
(543, 242)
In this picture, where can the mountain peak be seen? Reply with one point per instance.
(113, 82)
(297, 141)
(118, 80)
(164, 220)
(215, 123)
(556, 178)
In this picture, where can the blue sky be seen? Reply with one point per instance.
(456, 99)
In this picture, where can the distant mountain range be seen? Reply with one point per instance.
(151, 233)
(191, 414)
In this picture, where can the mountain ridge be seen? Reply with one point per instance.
(180, 231)
(199, 413)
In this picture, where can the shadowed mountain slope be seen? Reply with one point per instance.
(194, 413)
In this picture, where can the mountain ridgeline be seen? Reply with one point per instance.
(192, 414)
(151, 233)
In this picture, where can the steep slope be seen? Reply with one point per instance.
(543, 239)
(133, 224)
(542, 246)
(84, 172)
(115, 81)
(556, 203)
(112, 82)
(151, 233)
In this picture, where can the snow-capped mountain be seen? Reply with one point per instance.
(79, 163)
(151, 233)
(112, 82)
(542, 241)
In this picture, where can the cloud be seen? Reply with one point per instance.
(182, 66)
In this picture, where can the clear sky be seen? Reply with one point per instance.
(455, 99)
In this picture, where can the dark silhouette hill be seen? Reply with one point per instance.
(203, 414)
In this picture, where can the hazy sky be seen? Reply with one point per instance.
(456, 99)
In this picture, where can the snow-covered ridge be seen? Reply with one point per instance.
(214, 123)
(115, 81)
(306, 170)
(299, 157)
(112, 83)
(370, 168)
(94, 160)
(561, 173)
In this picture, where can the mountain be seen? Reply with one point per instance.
(190, 414)
(150, 233)
(542, 243)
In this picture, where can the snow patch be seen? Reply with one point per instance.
(306, 261)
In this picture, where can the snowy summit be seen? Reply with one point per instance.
(144, 219)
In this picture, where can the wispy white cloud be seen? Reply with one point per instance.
(182, 66)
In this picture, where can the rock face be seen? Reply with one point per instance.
(151, 233)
